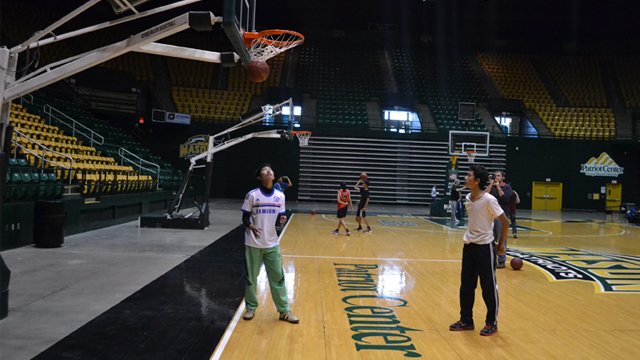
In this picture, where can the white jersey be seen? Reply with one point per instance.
(264, 210)
(481, 214)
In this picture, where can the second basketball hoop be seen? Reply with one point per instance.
(471, 155)
(303, 137)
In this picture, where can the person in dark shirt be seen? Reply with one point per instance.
(513, 204)
(283, 183)
(361, 212)
(501, 191)
(454, 201)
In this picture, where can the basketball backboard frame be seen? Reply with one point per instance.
(466, 111)
(462, 141)
(121, 6)
(239, 16)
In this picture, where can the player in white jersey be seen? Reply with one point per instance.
(263, 207)
(479, 253)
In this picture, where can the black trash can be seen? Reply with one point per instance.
(5, 276)
(48, 227)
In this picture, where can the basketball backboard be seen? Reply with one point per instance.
(121, 6)
(462, 141)
(466, 111)
(239, 16)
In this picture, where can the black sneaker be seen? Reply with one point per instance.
(489, 330)
(500, 265)
(359, 228)
(368, 230)
(460, 326)
(515, 236)
(348, 232)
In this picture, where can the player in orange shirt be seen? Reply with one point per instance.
(344, 200)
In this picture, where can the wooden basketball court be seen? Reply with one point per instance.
(392, 294)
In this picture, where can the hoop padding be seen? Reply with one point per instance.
(303, 137)
(471, 155)
(266, 44)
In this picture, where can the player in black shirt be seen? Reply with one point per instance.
(361, 213)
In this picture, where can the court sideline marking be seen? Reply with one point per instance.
(545, 233)
(217, 353)
(363, 258)
(389, 228)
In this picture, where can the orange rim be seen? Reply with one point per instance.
(301, 132)
(263, 37)
(248, 37)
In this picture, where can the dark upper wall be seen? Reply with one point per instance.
(450, 24)
(530, 160)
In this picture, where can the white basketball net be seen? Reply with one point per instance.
(303, 138)
(471, 155)
(268, 44)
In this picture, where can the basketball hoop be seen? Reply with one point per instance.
(303, 137)
(266, 44)
(471, 155)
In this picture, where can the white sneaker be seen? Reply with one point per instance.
(289, 317)
(249, 314)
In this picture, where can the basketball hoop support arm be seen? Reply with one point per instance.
(142, 42)
(35, 41)
(11, 88)
(208, 155)
(259, 117)
(212, 149)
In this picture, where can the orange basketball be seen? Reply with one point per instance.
(516, 263)
(258, 71)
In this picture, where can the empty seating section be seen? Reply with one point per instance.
(341, 80)
(134, 63)
(345, 110)
(582, 123)
(24, 183)
(97, 173)
(441, 84)
(627, 71)
(516, 78)
(114, 139)
(19, 31)
(208, 104)
(193, 94)
(210, 41)
(579, 79)
(190, 73)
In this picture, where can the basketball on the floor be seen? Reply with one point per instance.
(258, 71)
(313, 212)
(516, 263)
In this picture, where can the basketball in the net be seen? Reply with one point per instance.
(258, 71)
(516, 263)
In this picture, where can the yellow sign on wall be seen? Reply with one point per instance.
(195, 145)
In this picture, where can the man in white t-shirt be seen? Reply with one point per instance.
(479, 256)
(263, 207)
